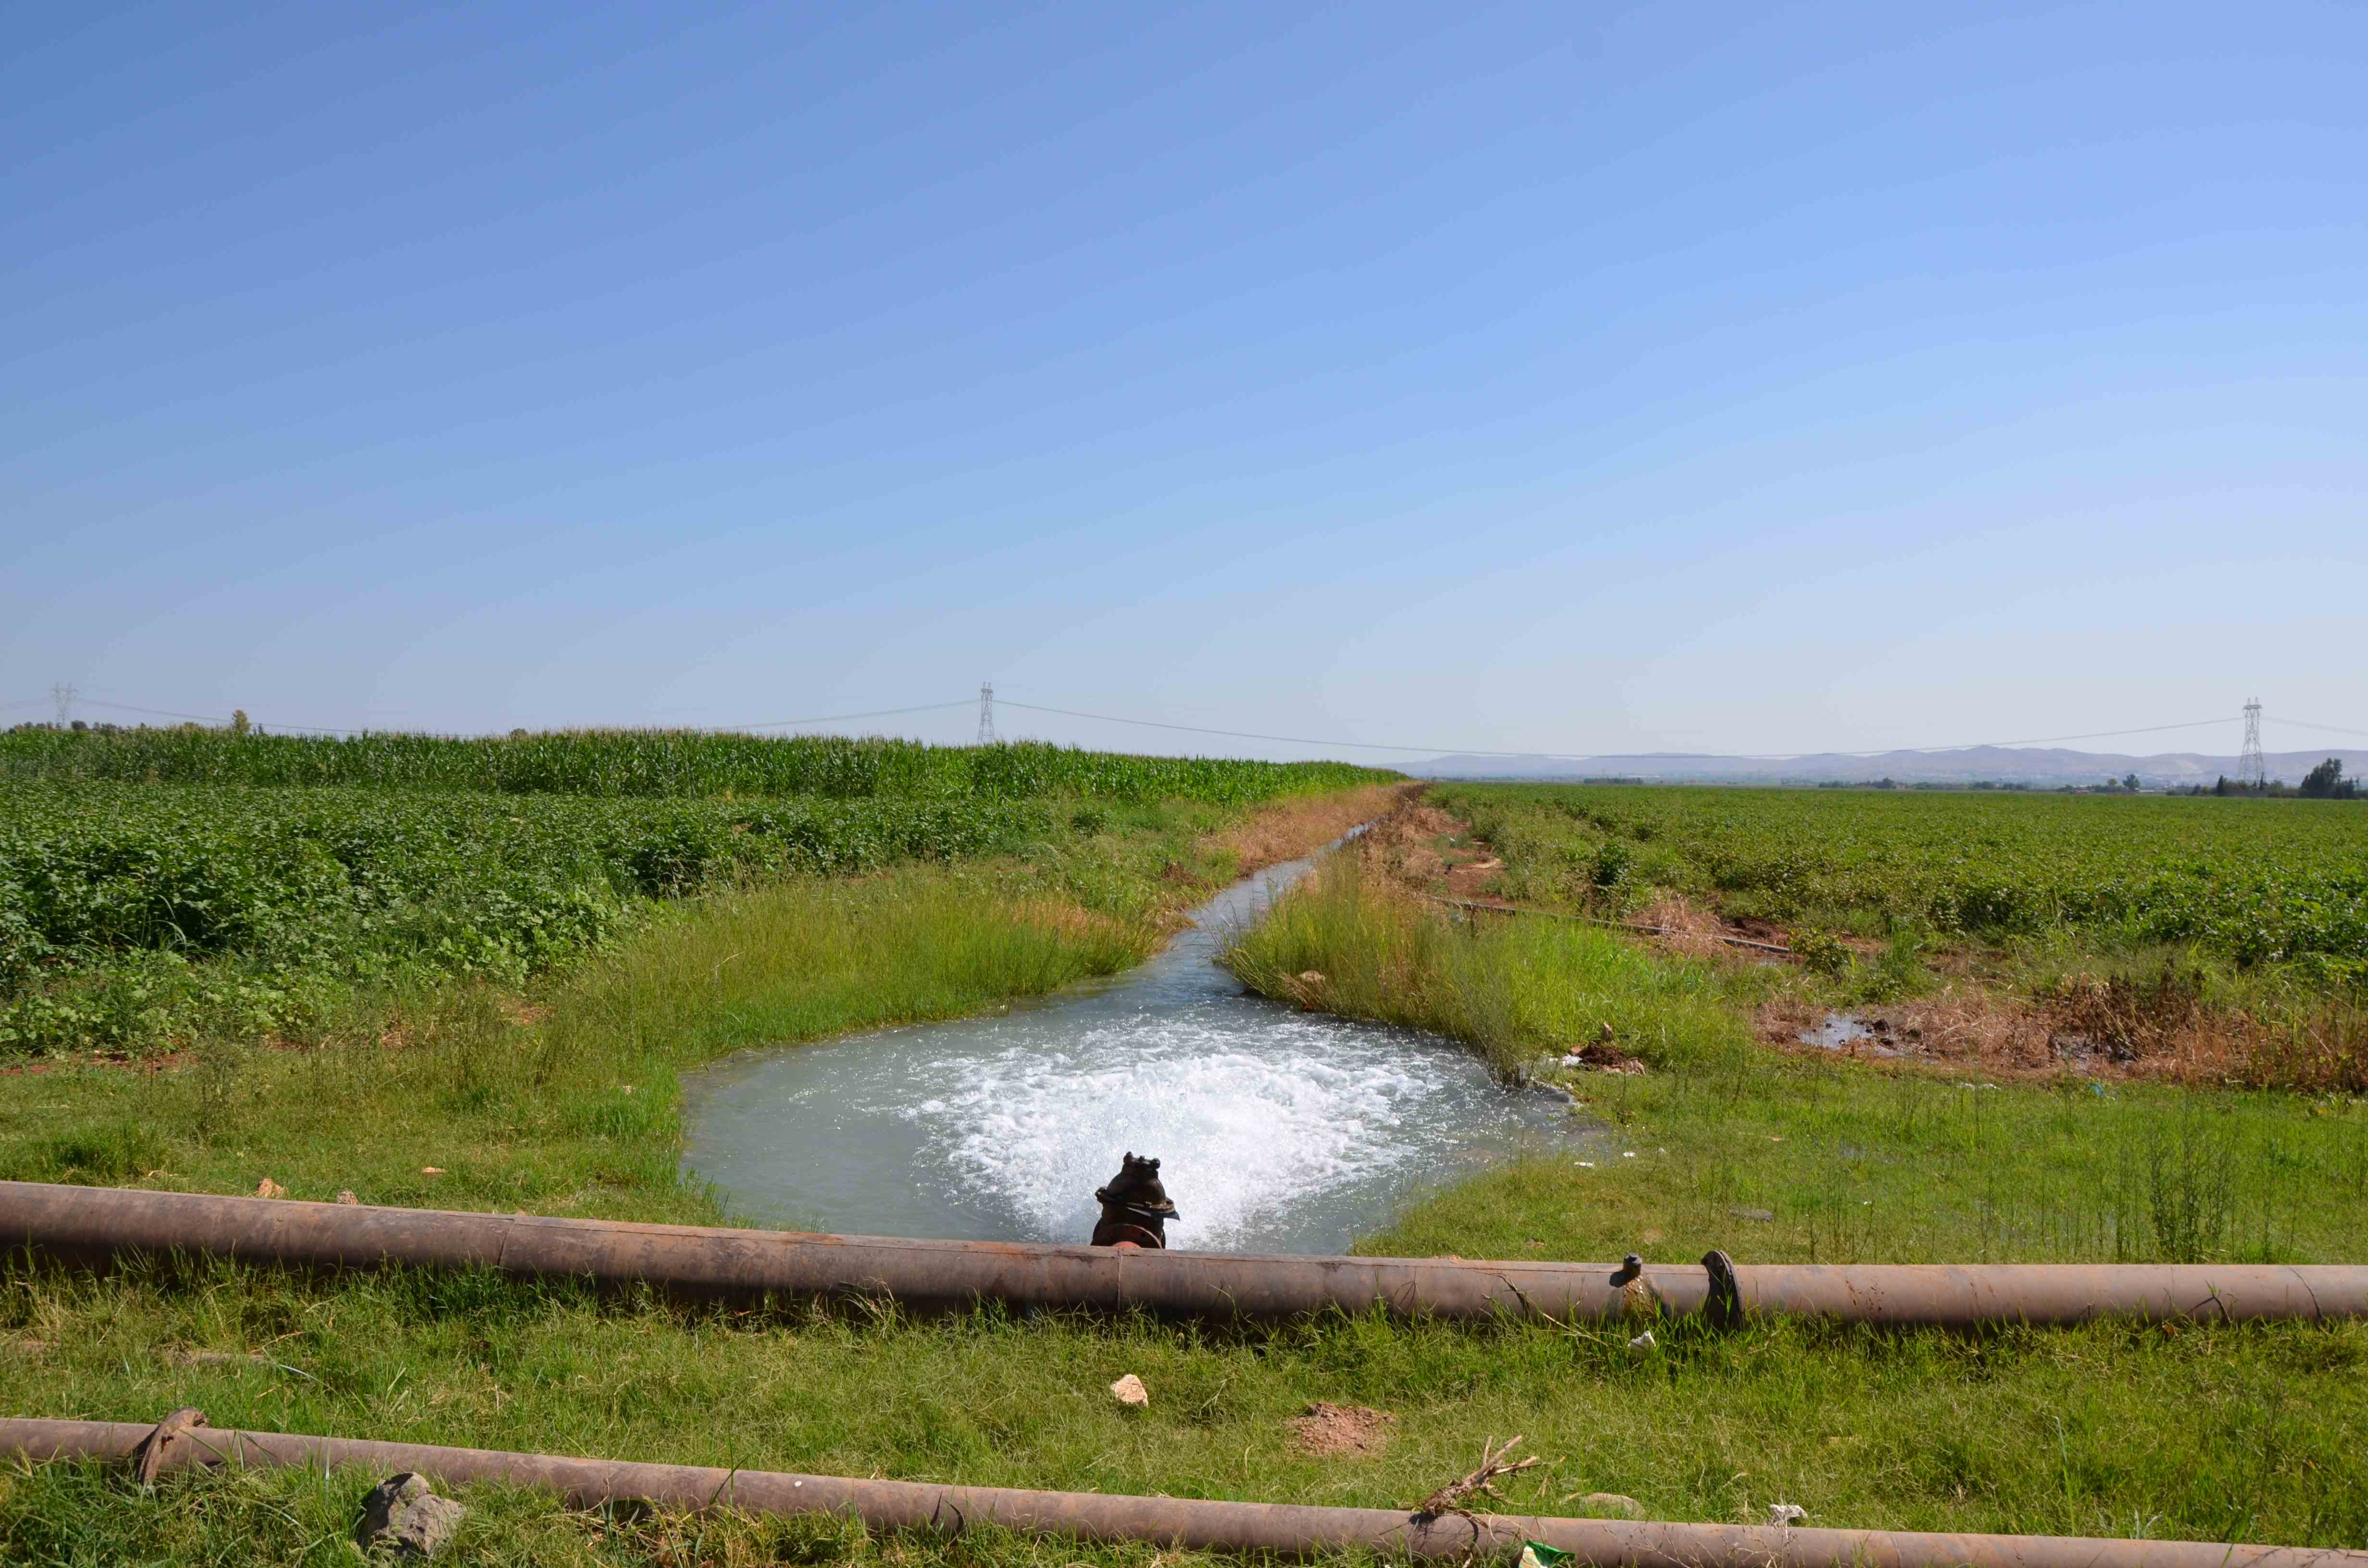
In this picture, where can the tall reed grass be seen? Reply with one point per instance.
(1350, 941)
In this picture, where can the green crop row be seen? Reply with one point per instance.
(296, 886)
(2259, 880)
(653, 763)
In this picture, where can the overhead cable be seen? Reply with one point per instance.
(1586, 756)
(2306, 724)
(837, 718)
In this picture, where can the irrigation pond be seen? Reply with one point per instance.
(1280, 1131)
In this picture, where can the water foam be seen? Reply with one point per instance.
(1248, 1126)
(1278, 1131)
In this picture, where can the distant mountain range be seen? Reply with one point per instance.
(1998, 765)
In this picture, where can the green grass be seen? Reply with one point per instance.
(1848, 1164)
(1512, 990)
(2021, 1431)
(80, 1515)
(2208, 1432)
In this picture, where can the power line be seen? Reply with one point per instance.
(986, 720)
(330, 730)
(156, 712)
(1584, 756)
(1253, 735)
(2042, 740)
(838, 718)
(2306, 724)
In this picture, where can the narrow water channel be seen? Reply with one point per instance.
(1278, 1131)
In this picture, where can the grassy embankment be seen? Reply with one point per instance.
(2207, 1433)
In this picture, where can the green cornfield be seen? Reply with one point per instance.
(654, 764)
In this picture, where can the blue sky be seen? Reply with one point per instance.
(1567, 378)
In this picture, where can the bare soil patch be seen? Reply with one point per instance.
(2085, 1028)
(1331, 1431)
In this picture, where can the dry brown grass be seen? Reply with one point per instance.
(1288, 830)
(1058, 917)
(1684, 928)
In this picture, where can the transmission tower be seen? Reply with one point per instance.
(2252, 768)
(986, 712)
(64, 694)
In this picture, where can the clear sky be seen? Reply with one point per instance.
(1570, 377)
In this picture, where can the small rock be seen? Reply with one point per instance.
(402, 1514)
(346, 1195)
(1618, 1503)
(1785, 1515)
(431, 1170)
(1131, 1391)
(267, 1188)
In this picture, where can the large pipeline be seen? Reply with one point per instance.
(97, 1226)
(1285, 1529)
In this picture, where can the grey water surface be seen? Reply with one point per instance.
(1279, 1131)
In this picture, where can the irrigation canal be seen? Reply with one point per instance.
(1279, 1131)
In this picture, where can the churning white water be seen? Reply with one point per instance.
(1278, 1131)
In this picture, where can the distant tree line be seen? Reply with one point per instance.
(2324, 782)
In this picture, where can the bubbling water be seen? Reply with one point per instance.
(1278, 1131)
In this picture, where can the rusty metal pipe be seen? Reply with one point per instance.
(99, 1225)
(1174, 1522)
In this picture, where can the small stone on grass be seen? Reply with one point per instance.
(406, 1520)
(1131, 1391)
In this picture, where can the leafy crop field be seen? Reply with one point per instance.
(297, 887)
(656, 763)
(154, 880)
(2254, 880)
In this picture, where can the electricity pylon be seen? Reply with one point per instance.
(2252, 768)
